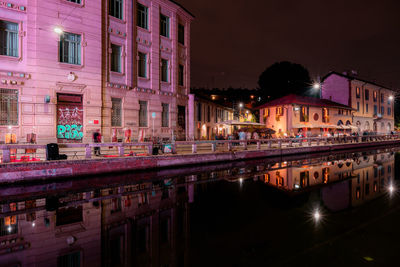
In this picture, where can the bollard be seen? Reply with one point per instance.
(258, 145)
(194, 148)
(121, 151)
(6, 155)
(213, 147)
(88, 152)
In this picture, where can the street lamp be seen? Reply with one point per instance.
(317, 85)
(58, 30)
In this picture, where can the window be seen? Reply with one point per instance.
(325, 115)
(181, 34)
(366, 108)
(208, 113)
(382, 98)
(366, 94)
(382, 111)
(279, 111)
(142, 65)
(375, 96)
(143, 114)
(181, 76)
(8, 107)
(358, 106)
(8, 225)
(75, 1)
(358, 92)
(70, 48)
(164, 70)
(116, 110)
(304, 113)
(8, 38)
(142, 16)
(375, 109)
(69, 260)
(116, 58)
(199, 112)
(165, 115)
(164, 26)
(116, 7)
(389, 111)
(69, 215)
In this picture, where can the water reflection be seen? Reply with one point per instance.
(120, 221)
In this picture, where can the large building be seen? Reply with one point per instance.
(293, 114)
(69, 67)
(207, 114)
(373, 103)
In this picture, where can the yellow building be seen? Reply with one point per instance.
(373, 103)
(292, 115)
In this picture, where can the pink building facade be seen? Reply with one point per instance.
(119, 66)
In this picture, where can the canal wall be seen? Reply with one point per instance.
(45, 170)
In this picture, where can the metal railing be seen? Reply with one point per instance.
(193, 147)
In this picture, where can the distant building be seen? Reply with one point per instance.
(293, 114)
(69, 67)
(373, 103)
(206, 114)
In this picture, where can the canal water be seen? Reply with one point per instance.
(314, 210)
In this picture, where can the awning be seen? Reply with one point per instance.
(241, 123)
(313, 126)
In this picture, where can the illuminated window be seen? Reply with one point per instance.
(325, 175)
(325, 115)
(279, 111)
(358, 193)
(358, 92)
(267, 178)
(375, 96)
(304, 114)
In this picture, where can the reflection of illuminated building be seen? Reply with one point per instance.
(132, 225)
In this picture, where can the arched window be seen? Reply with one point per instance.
(340, 122)
(348, 122)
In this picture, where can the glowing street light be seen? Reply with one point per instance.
(240, 105)
(391, 98)
(317, 86)
(58, 30)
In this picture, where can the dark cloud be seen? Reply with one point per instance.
(233, 41)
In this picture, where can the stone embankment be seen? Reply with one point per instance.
(44, 170)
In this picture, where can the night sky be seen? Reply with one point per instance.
(233, 41)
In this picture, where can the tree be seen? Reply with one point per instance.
(283, 78)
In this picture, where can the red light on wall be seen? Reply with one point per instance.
(95, 121)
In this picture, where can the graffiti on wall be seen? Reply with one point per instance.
(70, 121)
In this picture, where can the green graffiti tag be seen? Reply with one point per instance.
(69, 132)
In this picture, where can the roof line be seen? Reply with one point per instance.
(186, 10)
(353, 78)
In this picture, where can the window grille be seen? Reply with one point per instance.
(8, 107)
(8, 38)
(70, 48)
(116, 112)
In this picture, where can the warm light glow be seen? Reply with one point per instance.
(391, 97)
(33, 224)
(391, 189)
(252, 96)
(58, 30)
(316, 86)
(240, 105)
(213, 97)
(9, 228)
(9, 127)
(317, 215)
(247, 111)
